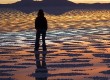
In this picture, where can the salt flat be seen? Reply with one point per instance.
(73, 53)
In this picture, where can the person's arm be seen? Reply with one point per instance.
(36, 23)
(46, 23)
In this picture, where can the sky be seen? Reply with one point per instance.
(76, 1)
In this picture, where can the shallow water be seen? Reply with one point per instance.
(13, 20)
(78, 46)
(72, 54)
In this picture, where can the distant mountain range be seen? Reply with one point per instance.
(52, 6)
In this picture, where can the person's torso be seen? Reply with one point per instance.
(41, 23)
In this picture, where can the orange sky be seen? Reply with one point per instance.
(76, 1)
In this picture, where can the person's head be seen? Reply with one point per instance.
(40, 13)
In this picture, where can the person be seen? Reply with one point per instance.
(41, 27)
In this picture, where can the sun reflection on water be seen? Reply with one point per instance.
(78, 44)
(13, 20)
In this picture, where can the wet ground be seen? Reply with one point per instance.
(72, 54)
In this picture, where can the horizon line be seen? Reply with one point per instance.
(69, 0)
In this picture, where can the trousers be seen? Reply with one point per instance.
(38, 33)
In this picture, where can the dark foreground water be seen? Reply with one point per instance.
(72, 54)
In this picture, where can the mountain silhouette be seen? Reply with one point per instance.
(52, 6)
(44, 3)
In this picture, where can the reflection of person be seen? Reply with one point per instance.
(41, 27)
(42, 75)
(41, 71)
(37, 56)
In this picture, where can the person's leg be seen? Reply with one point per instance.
(43, 40)
(37, 40)
(44, 57)
(44, 60)
(38, 60)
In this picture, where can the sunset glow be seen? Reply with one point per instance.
(90, 1)
(76, 1)
(69, 42)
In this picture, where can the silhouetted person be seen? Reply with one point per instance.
(41, 27)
